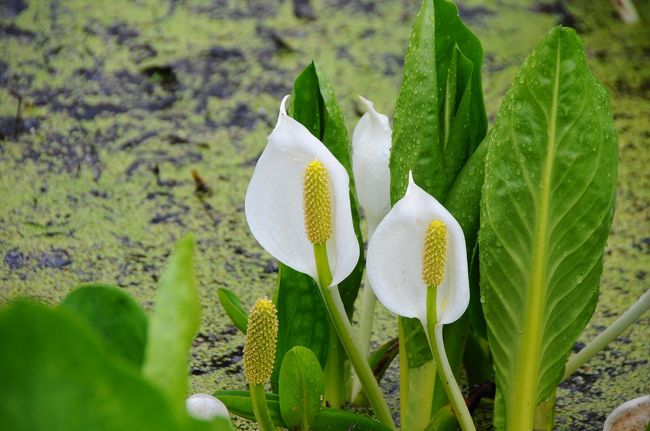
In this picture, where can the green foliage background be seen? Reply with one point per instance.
(121, 100)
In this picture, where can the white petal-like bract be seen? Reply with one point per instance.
(395, 254)
(205, 407)
(274, 201)
(371, 143)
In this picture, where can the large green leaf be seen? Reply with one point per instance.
(301, 388)
(302, 318)
(439, 122)
(119, 320)
(548, 202)
(57, 375)
(173, 326)
(439, 115)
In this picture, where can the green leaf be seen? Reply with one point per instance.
(239, 403)
(548, 202)
(302, 318)
(314, 105)
(337, 420)
(439, 115)
(439, 122)
(57, 375)
(117, 318)
(301, 388)
(173, 326)
(233, 308)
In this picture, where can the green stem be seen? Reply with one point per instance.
(615, 329)
(334, 377)
(434, 332)
(366, 317)
(336, 310)
(261, 410)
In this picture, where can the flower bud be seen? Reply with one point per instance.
(261, 340)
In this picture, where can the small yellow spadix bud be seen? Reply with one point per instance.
(261, 340)
(317, 203)
(435, 254)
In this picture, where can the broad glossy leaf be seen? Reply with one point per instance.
(173, 325)
(233, 308)
(118, 319)
(239, 403)
(57, 375)
(439, 122)
(548, 202)
(439, 116)
(302, 318)
(301, 388)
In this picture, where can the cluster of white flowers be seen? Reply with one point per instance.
(276, 217)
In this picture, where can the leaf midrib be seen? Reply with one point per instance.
(524, 395)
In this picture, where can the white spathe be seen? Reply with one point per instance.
(394, 262)
(371, 143)
(274, 201)
(205, 407)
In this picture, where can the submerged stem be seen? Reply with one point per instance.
(336, 310)
(437, 345)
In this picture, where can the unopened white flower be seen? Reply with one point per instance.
(299, 193)
(205, 407)
(418, 246)
(371, 142)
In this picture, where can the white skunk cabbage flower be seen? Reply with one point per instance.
(299, 196)
(205, 407)
(371, 142)
(418, 246)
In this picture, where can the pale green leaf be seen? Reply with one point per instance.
(173, 325)
(548, 201)
(301, 388)
(117, 318)
(439, 115)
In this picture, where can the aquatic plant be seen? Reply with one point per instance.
(491, 236)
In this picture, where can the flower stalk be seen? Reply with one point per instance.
(437, 345)
(318, 215)
(341, 324)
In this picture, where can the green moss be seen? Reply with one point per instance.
(81, 186)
